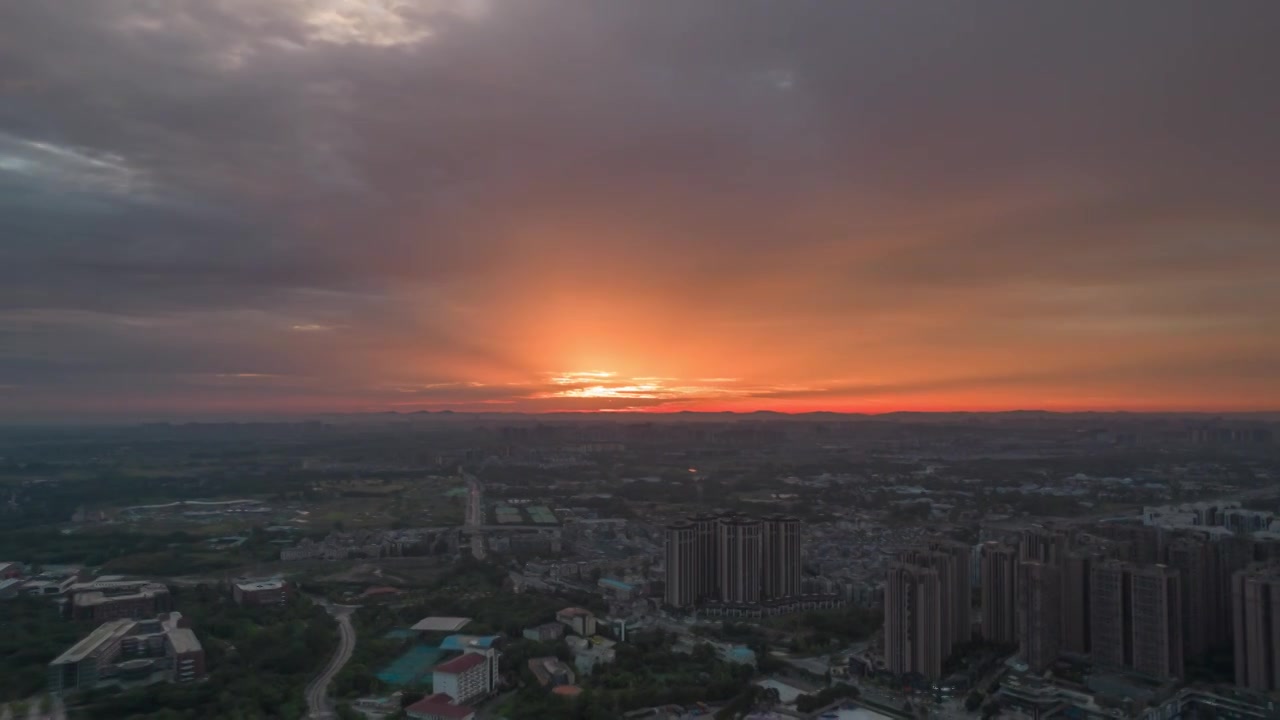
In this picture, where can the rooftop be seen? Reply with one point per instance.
(441, 624)
(98, 597)
(462, 642)
(184, 640)
(104, 633)
(574, 612)
(460, 664)
(439, 704)
(260, 585)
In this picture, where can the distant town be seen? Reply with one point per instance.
(825, 567)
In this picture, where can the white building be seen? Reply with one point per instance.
(468, 677)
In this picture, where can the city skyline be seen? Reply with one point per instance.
(346, 206)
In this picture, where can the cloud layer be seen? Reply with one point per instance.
(305, 205)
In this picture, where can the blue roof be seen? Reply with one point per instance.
(462, 642)
(618, 584)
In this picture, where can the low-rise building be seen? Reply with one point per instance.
(439, 706)
(590, 652)
(49, 583)
(546, 632)
(133, 601)
(377, 706)
(467, 677)
(130, 653)
(11, 587)
(578, 620)
(551, 671)
(10, 570)
(272, 591)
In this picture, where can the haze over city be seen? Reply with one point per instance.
(639, 360)
(310, 206)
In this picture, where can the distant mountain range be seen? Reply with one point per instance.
(826, 416)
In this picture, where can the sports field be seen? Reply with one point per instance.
(412, 669)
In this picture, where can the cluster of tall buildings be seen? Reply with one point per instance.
(1133, 597)
(732, 560)
(928, 604)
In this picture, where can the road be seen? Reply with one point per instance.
(318, 704)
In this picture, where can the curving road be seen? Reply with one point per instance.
(318, 704)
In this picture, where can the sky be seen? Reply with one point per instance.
(219, 207)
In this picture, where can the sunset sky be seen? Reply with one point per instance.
(220, 207)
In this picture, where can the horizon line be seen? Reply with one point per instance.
(251, 417)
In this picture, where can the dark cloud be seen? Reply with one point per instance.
(460, 191)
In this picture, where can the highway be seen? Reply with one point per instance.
(318, 705)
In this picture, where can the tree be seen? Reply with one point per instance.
(973, 701)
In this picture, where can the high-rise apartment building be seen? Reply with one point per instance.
(1255, 599)
(1043, 545)
(741, 561)
(1156, 596)
(733, 560)
(1227, 556)
(682, 565)
(945, 566)
(707, 562)
(780, 542)
(475, 503)
(1075, 601)
(960, 590)
(1190, 556)
(1039, 613)
(1110, 622)
(1145, 542)
(998, 566)
(913, 620)
(1135, 618)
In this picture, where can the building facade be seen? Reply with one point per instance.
(1156, 596)
(1110, 621)
(780, 541)
(913, 621)
(736, 565)
(682, 565)
(741, 560)
(130, 653)
(1039, 614)
(274, 591)
(960, 601)
(464, 678)
(944, 565)
(1255, 600)
(1075, 602)
(578, 620)
(706, 572)
(998, 565)
(1191, 557)
(134, 602)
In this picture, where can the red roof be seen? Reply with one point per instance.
(431, 706)
(460, 664)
